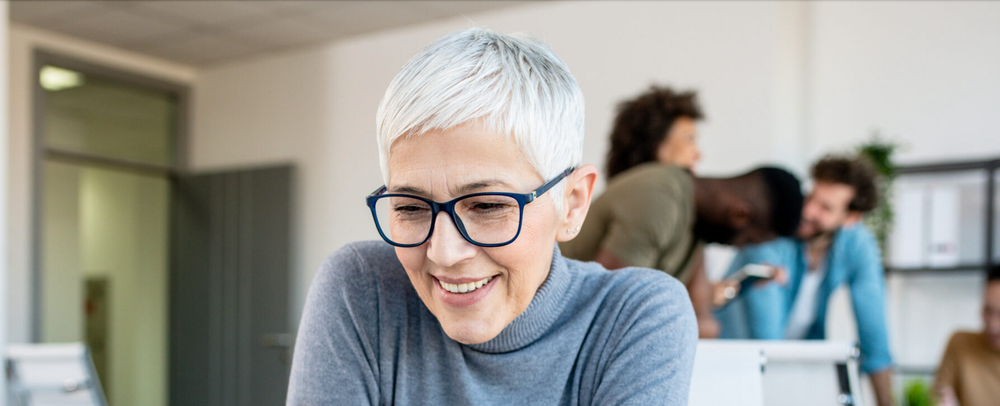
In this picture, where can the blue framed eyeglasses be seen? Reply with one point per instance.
(484, 219)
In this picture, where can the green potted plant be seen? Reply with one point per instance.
(881, 151)
(916, 392)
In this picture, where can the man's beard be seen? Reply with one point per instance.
(714, 233)
(817, 232)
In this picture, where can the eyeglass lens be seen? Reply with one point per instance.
(486, 219)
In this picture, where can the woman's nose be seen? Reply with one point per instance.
(447, 247)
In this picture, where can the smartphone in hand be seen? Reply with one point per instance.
(750, 274)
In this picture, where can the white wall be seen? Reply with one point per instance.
(316, 107)
(23, 42)
(925, 72)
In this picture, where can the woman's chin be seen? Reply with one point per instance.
(475, 332)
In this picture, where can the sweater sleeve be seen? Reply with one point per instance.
(335, 359)
(652, 355)
(947, 372)
(764, 304)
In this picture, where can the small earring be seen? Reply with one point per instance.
(573, 230)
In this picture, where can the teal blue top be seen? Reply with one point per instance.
(854, 259)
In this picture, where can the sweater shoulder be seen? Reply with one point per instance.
(357, 275)
(361, 260)
(965, 339)
(631, 287)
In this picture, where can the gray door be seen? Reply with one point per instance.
(229, 300)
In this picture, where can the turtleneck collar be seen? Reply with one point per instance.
(542, 312)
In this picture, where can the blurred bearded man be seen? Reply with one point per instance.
(832, 248)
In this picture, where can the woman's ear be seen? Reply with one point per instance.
(576, 201)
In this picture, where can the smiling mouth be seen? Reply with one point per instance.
(464, 287)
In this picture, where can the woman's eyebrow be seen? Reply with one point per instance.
(480, 185)
(461, 190)
(408, 190)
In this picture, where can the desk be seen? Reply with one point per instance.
(785, 373)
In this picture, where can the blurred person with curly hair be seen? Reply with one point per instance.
(655, 213)
(657, 126)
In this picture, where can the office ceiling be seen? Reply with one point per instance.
(204, 33)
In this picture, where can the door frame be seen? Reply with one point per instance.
(41, 58)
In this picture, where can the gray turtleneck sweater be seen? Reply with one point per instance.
(589, 337)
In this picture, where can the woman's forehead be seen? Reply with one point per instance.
(453, 186)
(459, 159)
(459, 178)
(471, 138)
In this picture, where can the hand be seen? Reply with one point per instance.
(946, 397)
(780, 275)
(708, 327)
(726, 289)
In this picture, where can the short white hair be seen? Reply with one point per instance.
(513, 84)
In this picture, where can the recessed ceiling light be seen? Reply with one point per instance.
(54, 79)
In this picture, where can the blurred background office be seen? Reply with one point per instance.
(176, 171)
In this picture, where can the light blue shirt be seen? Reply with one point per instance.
(854, 259)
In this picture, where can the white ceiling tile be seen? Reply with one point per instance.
(358, 17)
(202, 32)
(431, 9)
(291, 7)
(201, 49)
(39, 11)
(205, 13)
(282, 33)
(472, 7)
(141, 45)
(115, 27)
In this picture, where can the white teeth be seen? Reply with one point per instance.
(464, 287)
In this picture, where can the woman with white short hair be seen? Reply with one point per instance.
(468, 299)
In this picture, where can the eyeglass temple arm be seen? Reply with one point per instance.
(548, 185)
(380, 190)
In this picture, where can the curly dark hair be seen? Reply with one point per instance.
(785, 197)
(854, 171)
(642, 124)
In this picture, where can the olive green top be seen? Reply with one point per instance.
(646, 218)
